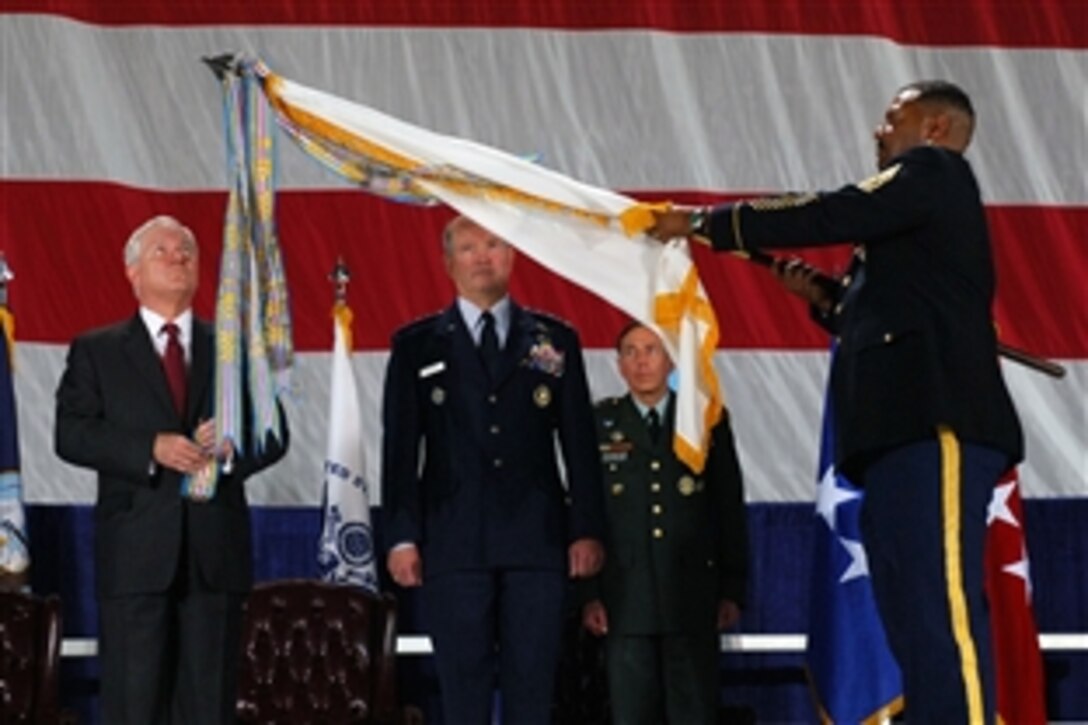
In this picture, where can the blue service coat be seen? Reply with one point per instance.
(469, 466)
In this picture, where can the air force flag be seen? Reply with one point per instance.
(854, 676)
(346, 550)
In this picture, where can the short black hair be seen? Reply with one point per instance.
(945, 93)
(631, 324)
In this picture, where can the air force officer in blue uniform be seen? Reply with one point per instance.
(476, 398)
(925, 422)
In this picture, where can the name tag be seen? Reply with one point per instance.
(432, 369)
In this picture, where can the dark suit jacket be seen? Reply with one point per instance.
(469, 468)
(677, 541)
(112, 401)
(918, 346)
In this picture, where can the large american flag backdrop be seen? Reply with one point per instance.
(108, 117)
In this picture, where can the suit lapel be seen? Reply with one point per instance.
(518, 342)
(200, 370)
(456, 344)
(634, 425)
(668, 426)
(141, 352)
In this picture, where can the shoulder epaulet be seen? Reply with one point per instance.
(546, 318)
(420, 323)
(606, 403)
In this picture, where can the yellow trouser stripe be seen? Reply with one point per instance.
(957, 603)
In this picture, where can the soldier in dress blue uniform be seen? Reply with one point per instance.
(476, 398)
(677, 549)
(926, 423)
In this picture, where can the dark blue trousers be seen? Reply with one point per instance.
(501, 625)
(924, 526)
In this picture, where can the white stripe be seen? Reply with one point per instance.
(775, 399)
(729, 112)
(418, 644)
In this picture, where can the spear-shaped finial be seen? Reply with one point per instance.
(6, 275)
(340, 276)
(223, 64)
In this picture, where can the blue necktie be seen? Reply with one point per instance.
(489, 344)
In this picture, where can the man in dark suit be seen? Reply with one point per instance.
(476, 398)
(676, 572)
(926, 423)
(171, 572)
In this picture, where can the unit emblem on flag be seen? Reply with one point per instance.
(13, 550)
(354, 544)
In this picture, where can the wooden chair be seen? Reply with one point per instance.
(314, 652)
(30, 634)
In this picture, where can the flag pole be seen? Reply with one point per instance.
(1034, 362)
(340, 276)
(14, 546)
(7, 320)
(6, 275)
(346, 549)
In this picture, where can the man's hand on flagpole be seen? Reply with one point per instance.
(406, 566)
(173, 450)
(586, 557)
(800, 278)
(672, 223)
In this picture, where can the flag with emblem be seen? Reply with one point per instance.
(1018, 665)
(346, 549)
(14, 555)
(854, 676)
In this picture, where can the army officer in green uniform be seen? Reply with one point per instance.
(676, 542)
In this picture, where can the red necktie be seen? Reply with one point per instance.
(173, 362)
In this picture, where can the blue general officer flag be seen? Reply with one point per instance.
(14, 556)
(854, 676)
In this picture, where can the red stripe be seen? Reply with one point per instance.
(1011, 23)
(64, 243)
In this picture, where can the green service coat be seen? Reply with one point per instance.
(676, 541)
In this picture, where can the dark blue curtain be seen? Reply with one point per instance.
(772, 685)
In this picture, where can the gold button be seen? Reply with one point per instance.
(887, 337)
(617, 489)
(498, 463)
(655, 465)
(846, 280)
(659, 533)
(656, 509)
(655, 487)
